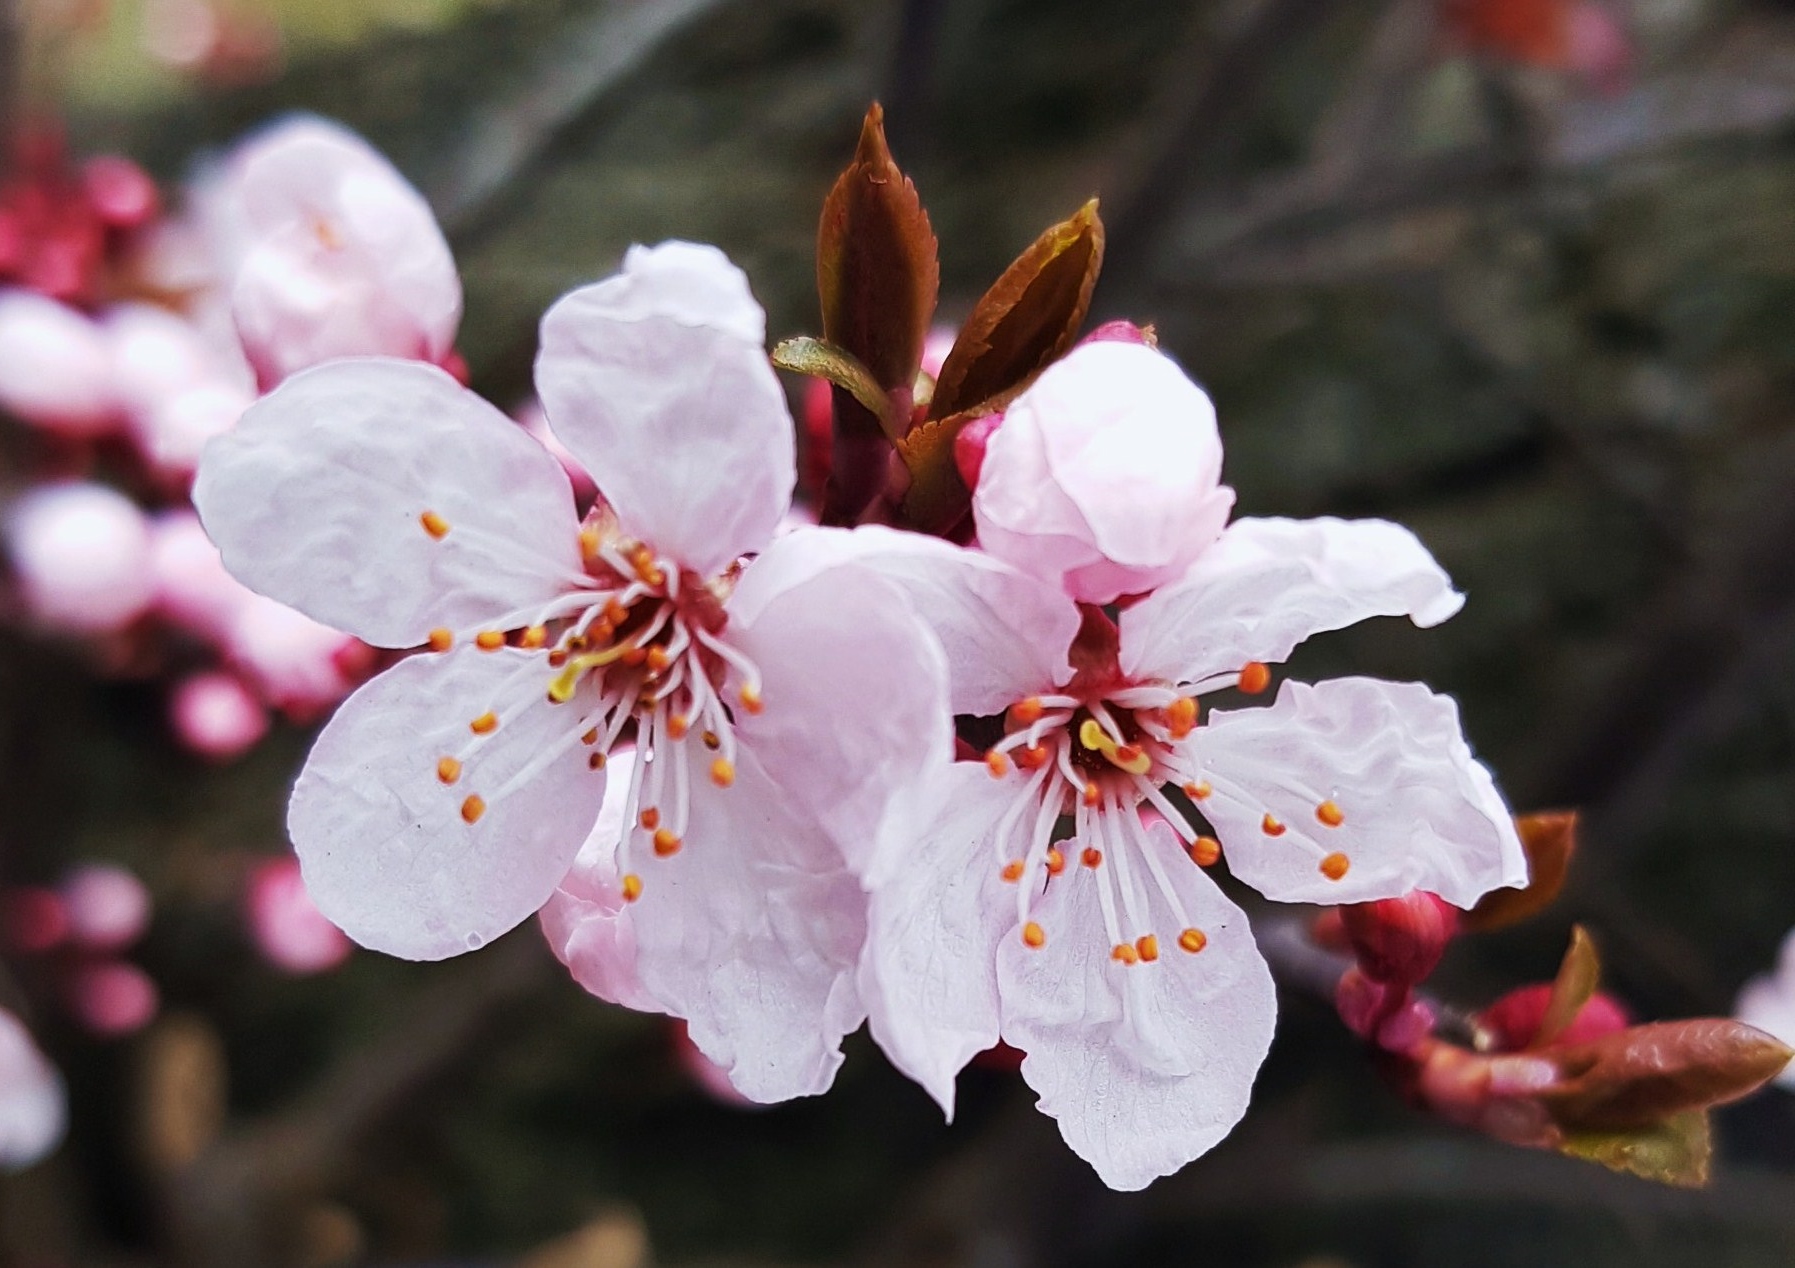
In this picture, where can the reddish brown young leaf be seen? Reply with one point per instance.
(937, 498)
(1550, 840)
(1028, 318)
(1579, 974)
(1644, 1075)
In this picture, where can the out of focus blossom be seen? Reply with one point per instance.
(112, 998)
(345, 257)
(79, 931)
(759, 762)
(1105, 477)
(1768, 1002)
(33, 1105)
(55, 367)
(216, 716)
(1583, 37)
(108, 907)
(296, 664)
(81, 555)
(33, 919)
(286, 926)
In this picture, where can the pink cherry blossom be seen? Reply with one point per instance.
(215, 715)
(108, 907)
(783, 712)
(1105, 476)
(1110, 958)
(343, 256)
(81, 553)
(33, 1106)
(1768, 1002)
(112, 998)
(55, 370)
(287, 927)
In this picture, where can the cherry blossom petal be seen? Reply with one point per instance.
(929, 974)
(588, 924)
(386, 844)
(1268, 584)
(319, 498)
(1105, 476)
(1145, 1066)
(972, 602)
(33, 1106)
(751, 932)
(1412, 808)
(855, 716)
(658, 382)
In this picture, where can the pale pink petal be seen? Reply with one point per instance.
(1268, 584)
(855, 719)
(55, 371)
(317, 499)
(751, 932)
(588, 924)
(1415, 810)
(1768, 1002)
(1147, 1065)
(81, 554)
(707, 1074)
(1105, 476)
(384, 843)
(1005, 634)
(343, 258)
(216, 716)
(108, 907)
(33, 1106)
(286, 926)
(658, 381)
(929, 972)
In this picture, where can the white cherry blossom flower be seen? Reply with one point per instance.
(781, 714)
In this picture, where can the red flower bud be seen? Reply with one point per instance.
(969, 446)
(1399, 941)
(1513, 1020)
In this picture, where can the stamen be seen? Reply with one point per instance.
(1092, 857)
(485, 724)
(1181, 716)
(1124, 953)
(595, 761)
(650, 820)
(1193, 940)
(722, 772)
(658, 660)
(591, 737)
(472, 809)
(1012, 871)
(534, 637)
(1033, 936)
(1334, 866)
(998, 764)
(1254, 677)
(489, 640)
(1330, 814)
(1056, 862)
(1198, 790)
(1028, 711)
(1204, 851)
(665, 843)
(678, 726)
(632, 887)
(448, 769)
(1271, 827)
(1148, 946)
(441, 640)
(434, 524)
(751, 698)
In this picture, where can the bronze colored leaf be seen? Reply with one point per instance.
(1675, 1152)
(1028, 318)
(1550, 840)
(1643, 1075)
(1579, 974)
(804, 355)
(937, 497)
(877, 273)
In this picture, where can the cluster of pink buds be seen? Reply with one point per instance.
(130, 338)
(76, 934)
(953, 753)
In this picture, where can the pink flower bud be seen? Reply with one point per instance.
(81, 552)
(112, 998)
(55, 369)
(286, 925)
(1105, 477)
(1514, 1020)
(1400, 940)
(108, 907)
(970, 445)
(120, 192)
(216, 716)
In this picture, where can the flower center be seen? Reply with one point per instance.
(641, 650)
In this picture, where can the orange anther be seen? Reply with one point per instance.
(998, 764)
(1033, 935)
(1028, 711)
(1127, 754)
(711, 741)
(1198, 790)
(485, 724)
(534, 637)
(1012, 871)
(591, 737)
(1181, 716)
(1204, 851)
(1056, 862)
(658, 660)
(1148, 946)
(722, 772)
(489, 640)
(1193, 940)
(1254, 677)
(1091, 795)
(448, 769)
(595, 761)
(665, 843)
(556, 659)
(1034, 757)
(633, 656)
(434, 524)
(597, 635)
(632, 887)
(589, 542)
(1330, 814)
(615, 612)
(1334, 866)
(1092, 856)
(472, 809)
(751, 699)
(1124, 953)
(678, 726)
(441, 640)
(1271, 827)
(650, 819)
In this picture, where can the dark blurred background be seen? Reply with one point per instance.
(1536, 302)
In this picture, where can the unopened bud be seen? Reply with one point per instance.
(1511, 1023)
(1400, 940)
(969, 446)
